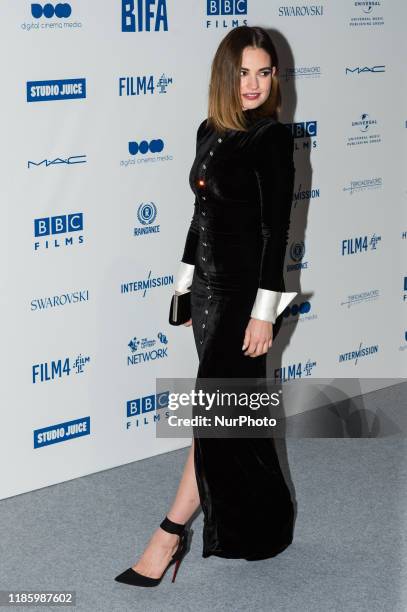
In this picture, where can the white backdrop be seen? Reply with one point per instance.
(72, 308)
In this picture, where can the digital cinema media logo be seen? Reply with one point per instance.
(58, 231)
(62, 89)
(51, 16)
(146, 152)
(144, 16)
(225, 13)
(61, 432)
(59, 368)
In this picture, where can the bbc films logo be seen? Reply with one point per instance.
(304, 133)
(145, 410)
(58, 231)
(51, 16)
(225, 14)
(61, 89)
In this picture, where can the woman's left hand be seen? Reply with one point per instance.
(258, 337)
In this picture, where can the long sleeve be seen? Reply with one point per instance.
(275, 171)
(186, 269)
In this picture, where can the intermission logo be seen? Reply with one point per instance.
(57, 301)
(304, 133)
(353, 299)
(359, 353)
(305, 195)
(141, 286)
(145, 152)
(144, 16)
(225, 13)
(63, 89)
(61, 432)
(146, 215)
(144, 410)
(366, 128)
(295, 370)
(45, 227)
(359, 185)
(367, 13)
(51, 16)
(146, 349)
(365, 70)
(301, 10)
(360, 244)
(143, 85)
(58, 161)
(297, 252)
(291, 73)
(44, 372)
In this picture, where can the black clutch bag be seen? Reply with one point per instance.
(180, 309)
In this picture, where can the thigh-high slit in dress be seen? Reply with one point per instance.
(233, 264)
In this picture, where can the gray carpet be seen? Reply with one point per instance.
(348, 554)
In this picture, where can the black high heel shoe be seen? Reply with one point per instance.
(130, 576)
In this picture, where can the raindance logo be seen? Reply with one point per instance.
(360, 244)
(364, 185)
(297, 252)
(147, 349)
(146, 214)
(358, 353)
(367, 131)
(295, 370)
(367, 14)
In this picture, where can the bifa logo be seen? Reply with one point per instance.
(144, 15)
(59, 161)
(61, 432)
(60, 10)
(57, 225)
(62, 89)
(44, 372)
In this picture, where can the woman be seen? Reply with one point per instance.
(233, 261)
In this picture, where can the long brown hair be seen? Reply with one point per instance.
(224, 101)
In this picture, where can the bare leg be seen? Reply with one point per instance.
(162, 545)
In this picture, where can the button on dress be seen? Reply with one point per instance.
(243, 187)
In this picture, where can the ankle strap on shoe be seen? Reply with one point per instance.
(172, 527)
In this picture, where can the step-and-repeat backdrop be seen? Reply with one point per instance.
(100, 106)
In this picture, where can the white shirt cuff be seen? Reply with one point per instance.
(269, 305)
(183, 279)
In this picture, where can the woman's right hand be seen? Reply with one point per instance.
(188, 323)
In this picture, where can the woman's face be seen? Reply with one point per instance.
(255, 77)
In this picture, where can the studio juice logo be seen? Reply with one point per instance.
(60, 89)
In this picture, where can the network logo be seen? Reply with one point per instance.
(44, 227)
(65, 89)
(60, 10)
(143, 349)
(144, 16)
(144, 146)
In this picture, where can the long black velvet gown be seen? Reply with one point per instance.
(243, 183)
